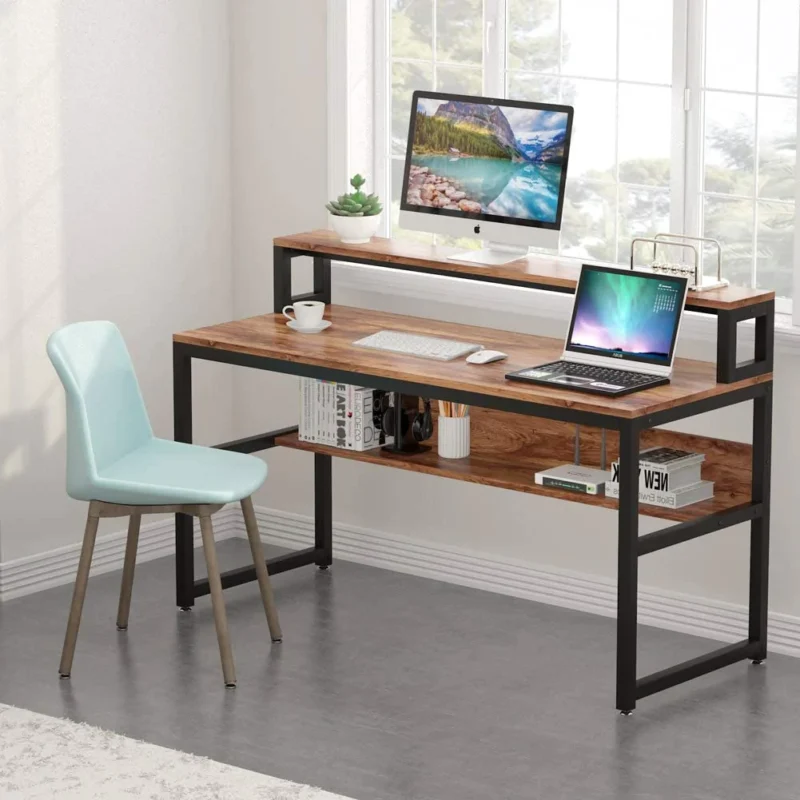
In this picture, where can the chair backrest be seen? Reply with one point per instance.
(106, 415)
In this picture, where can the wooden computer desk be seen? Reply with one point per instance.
(517, 429)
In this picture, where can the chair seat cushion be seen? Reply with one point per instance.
(162, 472)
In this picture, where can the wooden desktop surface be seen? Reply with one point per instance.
(268, 336)
(539, 270)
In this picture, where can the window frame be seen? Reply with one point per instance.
(686, 183)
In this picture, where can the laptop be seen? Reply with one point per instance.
(622, 335)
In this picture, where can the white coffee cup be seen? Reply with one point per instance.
(307, 313)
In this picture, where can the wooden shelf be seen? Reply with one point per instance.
(507, 449)
(268, 336)
(535, 271)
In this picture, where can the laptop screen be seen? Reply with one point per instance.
(628, 315)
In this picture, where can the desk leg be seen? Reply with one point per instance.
(627, 566)
(322, 279)
(184, 525)
(323, 511)
(281, 278)
(759, 528)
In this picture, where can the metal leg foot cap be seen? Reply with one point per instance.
(625, 713)
(122, 627)
(757, 662)
(185, 608)
(278, 640)
(324, 567)
(64, 677)
(230, 685)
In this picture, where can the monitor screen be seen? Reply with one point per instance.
(625, 314)
(494, 160)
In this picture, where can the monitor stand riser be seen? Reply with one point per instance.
(493, 255)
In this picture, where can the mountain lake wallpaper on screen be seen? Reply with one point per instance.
(490, 159)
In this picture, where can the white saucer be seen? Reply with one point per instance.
(324, 325)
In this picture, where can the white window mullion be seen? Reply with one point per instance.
(338, 86)
(796, 265)
(494, 47)
(754, 268)
(617, 193)
(681, 99)
(693, 158)
(382, 104)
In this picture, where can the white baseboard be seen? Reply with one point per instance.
(693, 615)
(713, 619)
(57, 567)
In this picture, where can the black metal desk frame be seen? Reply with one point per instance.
(631, 546)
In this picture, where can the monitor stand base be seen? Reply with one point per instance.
(493, 255)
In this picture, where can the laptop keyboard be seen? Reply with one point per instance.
(607, 375)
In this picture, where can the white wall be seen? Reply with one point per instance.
(115, 204)
(279, 135)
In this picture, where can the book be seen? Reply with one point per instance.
(340, 415)
(664, 469)
(574, 478)
(678, 498)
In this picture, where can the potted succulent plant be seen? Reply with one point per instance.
(355, 216)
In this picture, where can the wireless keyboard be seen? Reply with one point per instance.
(412, 344)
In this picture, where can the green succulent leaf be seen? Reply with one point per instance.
(357, 203)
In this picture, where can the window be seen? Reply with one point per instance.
(745, 188)
(686, 112)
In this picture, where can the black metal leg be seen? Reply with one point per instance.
(281, 278)
(323, 510)
(322, 279)
(182, 426)
(728, 370)
(627, 566)
(759, 528)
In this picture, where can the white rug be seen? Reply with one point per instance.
(44, 757)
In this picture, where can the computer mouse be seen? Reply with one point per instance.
(485, 357)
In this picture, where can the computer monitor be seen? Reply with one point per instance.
(487, 168)
(628, 316)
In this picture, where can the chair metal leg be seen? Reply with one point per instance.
(267, 598)
(79, 592)
(217, 600)
(134, 523)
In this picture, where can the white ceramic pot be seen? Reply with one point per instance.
(356, 230)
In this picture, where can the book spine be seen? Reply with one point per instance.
(319, 412)
(330, 437)
(351, 392)
(311, 407)
(572, 486)
(301, 423)
(687, 496)
(646, 496)
(661, 480)
(341, 415)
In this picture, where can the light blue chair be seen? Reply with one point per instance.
(116, 464)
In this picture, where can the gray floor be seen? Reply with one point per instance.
(388, 686)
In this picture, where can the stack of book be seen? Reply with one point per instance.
(340, 415)
(667, 477)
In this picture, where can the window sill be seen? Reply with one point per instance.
(517, 300)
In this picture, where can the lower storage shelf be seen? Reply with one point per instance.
(508, 449)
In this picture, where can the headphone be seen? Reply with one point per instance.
(421, 424)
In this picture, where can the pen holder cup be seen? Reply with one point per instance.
(454, 437)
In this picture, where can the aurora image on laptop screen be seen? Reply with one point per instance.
(625, 314)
